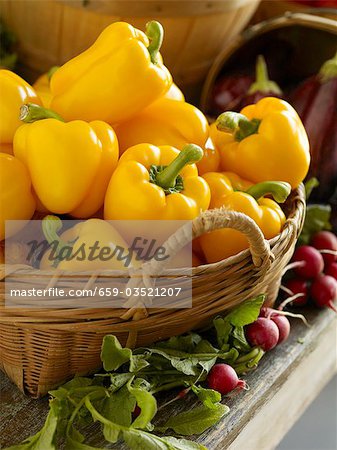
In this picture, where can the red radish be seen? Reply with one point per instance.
(265, 311)
(298, 286)
(312, 262)
(324, 291)
(223, 378)
(332, 270)
(183, 393)
(283, 326)
(325, 240)
(281, 321)
(263, 333)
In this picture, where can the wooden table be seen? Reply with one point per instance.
(277, 396)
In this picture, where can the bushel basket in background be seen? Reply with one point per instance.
(195, 31)
(41, 349)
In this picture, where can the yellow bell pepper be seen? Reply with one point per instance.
(117, 77)
(210, 162)
(14, 93)
(157, 183)
(70, 164)
(6, 148)
(267, 214)
(16, 199)
(84, 247)
(42, 86)
(266, 141)
(175, 93)
(165, 122)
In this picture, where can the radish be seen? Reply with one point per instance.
(332, 270)
(324, 291)
(223, 378)
(265, 311)
(283, 326)
(325, 240)
(298, 286)
(263, 333)
(281, 322)
(312, 263)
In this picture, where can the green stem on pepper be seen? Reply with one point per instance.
(237, 124)
(50, 227)
(155, 33)
(168, 177)
(279, 190)
(31, 113)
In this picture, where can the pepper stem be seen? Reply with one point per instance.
(328, 69)
(263, 83)
(237, 124)
(31, 113)
(50, 226)
(190, 154)
(279, 190)
(155, 32)
(51, 71)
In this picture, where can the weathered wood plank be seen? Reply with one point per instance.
(275, 400)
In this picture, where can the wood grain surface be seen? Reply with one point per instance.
(276, 398)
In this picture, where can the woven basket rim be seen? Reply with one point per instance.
(294, 215)
(35, 318)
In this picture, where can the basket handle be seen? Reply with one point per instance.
(211, 220)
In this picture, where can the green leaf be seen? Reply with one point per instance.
(147, 404)
(239, 339)
(118, 380)
(113, 355)
(137, 440)
(310, 185)
(183, 362)
(183, 444)
(141, 440)
(111, 430)
(77, 382)
(138, 362)
(74, 442)
(246, 313)
(186, 343)
(118, 407)
(205, 346)
(223, 329)
(208, 397)
(195, 421)
(317, 219)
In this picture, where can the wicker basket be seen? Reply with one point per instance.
(41, 349)
(195, 31)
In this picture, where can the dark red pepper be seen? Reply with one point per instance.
(316, 102)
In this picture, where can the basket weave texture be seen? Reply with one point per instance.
(42, 348)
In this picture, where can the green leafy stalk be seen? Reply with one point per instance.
(195, 421)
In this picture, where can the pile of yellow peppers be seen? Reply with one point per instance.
(108, 135)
